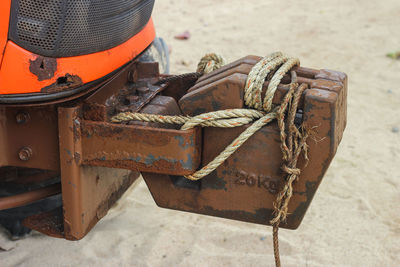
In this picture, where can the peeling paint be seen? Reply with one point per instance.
(43, 67)
(187, 165)
(183, 143)
(63, 83)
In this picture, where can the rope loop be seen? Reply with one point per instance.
(209, 63)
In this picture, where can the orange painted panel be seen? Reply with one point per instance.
(4, 21)
(16, 78)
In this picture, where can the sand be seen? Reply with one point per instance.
(354, 219)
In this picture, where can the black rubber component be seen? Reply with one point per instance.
(65, 28)
(158, 52)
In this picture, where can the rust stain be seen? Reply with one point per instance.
(43, 67)
(77, 130)
(77, 157)
(49, 223)
(63, 83)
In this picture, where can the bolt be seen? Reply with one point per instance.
(22, 117)
(25, 153)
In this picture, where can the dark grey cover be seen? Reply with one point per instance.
(65, 28)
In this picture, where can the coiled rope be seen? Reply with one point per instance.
(259, 113)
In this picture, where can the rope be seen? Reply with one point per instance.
(192, 76)
(260, 112)
(209, 63)
(223, 119)
(275, 238)
(292, 144)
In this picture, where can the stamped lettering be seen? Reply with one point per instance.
(260, 181)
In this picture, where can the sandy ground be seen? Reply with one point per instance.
(354, 219)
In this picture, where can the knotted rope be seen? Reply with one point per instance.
(260, 112)
(292, 145)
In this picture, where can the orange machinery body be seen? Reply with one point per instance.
(16, 76)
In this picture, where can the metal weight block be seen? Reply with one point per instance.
(214, 86)
(321, 79)
(250, 61)
(245, 186)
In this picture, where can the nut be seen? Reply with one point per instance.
(25, 154)
(22, 117)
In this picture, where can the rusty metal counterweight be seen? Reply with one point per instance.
(98, 160)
